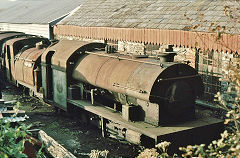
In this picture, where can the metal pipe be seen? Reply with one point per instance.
(36, 78)
(206, 105)
(103, 125)
(177, 78)
(92, 96)
(115, 107)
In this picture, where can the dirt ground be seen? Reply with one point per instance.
(74, 135)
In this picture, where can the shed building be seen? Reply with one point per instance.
(34, 17)
(204, 32)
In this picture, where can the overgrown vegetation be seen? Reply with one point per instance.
(99, 154)
(13, 138)
(160, 151)
(229, 101)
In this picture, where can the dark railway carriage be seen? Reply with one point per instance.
(28, 68)
(140, 100)
(4, 36)
(13, 47)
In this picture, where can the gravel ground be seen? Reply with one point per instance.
(67, 130)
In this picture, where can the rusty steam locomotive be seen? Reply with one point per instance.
(135, 99)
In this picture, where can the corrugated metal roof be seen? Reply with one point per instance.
(35, 11)
(154, 14)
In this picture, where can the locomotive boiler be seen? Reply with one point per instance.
(142, 89)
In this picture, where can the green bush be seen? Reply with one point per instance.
(12, 140)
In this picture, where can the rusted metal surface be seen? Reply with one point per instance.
(30, 64)
(9, 57)
(134, 78)
(122, 76)
(203, 40)
(25, 64)
(85, 67)
(150, 130)
(4, 35)
(63, 50)
(19, 64)
(35, 55)
(62, 55)
(12, 41)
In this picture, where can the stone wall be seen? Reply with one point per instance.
(185, 55)
(131, 48)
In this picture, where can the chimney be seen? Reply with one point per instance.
(165, 53)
